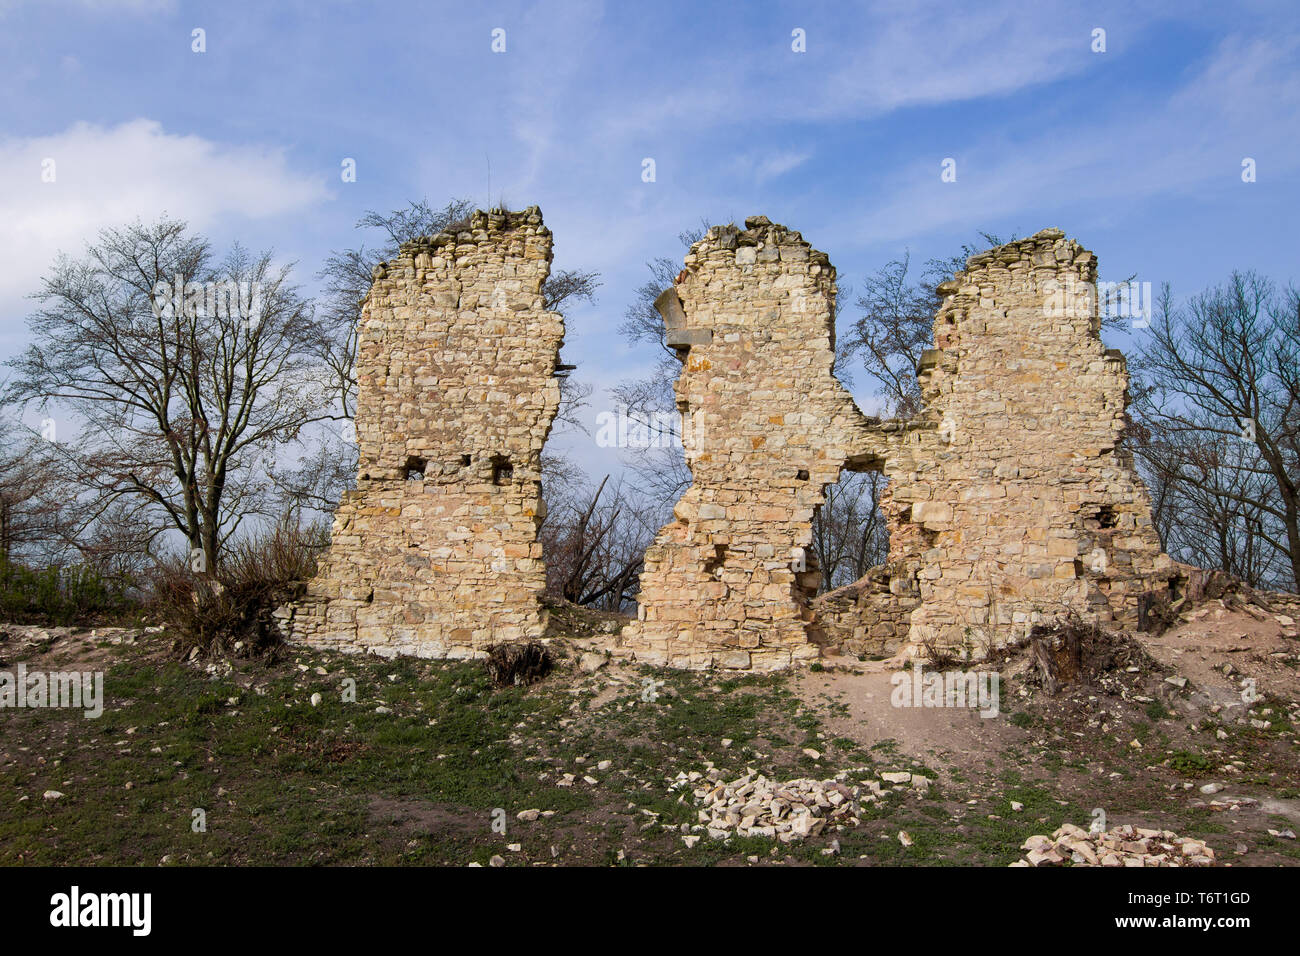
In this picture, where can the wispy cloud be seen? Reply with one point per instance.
(842, 142)
(1244, 101)
(760, 167)
(96, 6)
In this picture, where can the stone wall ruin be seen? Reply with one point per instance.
(436, 551)
(1011, 496)
(766, 427)
(1021, 502)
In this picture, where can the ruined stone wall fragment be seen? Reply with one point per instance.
(436, 551)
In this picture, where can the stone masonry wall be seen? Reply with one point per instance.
(1017, 500)
(766, 427)
(870, 617)
(1011, 499)
(1011, 496)
(436, 552)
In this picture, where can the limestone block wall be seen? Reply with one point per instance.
(870, 617)
(436, 551)
(766, 427)
(1012, 499)
(1018, 500)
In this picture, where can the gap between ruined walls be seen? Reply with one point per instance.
(1011, 496)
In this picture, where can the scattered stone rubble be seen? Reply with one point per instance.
(753, 805)
(25, 637)
(1125, 845)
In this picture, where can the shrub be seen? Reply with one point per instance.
(230, 611)
(75, 594)
(509, 665)
(1190, 764)
(1157, 711)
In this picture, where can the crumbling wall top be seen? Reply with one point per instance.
(777, 242)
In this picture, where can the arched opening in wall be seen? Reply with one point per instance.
(868, 595)
(850, 536)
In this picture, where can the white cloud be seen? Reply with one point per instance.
(101, 6)
(764, 166)
(928, 55)
(875, 60)
(1243, 102)
(107, 176)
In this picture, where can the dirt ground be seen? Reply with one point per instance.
(1191, 731)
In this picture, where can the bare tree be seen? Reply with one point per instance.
(897, 323)
(316, 481)
(595, 543)
(1223, 520)
(849, 533)
(1218, 425)
(651, 399)
(659, 469)
(895, 328)
(35, 520)
(183, 373)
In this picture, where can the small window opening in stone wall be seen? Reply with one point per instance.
(801, 475)
(464, 461)
(502, 471)
(415, 468)
(713, 565)
(1106, 516)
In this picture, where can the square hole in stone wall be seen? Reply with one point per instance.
(850, 536)
(502, 471)
(415, 468)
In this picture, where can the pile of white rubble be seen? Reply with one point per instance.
(753, 805)
(1121, 846)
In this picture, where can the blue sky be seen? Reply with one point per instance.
(1136, 152)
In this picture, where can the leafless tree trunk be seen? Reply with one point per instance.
(595, 543)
